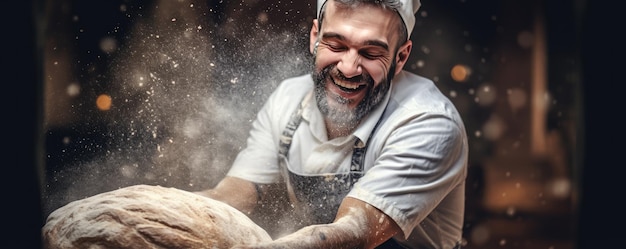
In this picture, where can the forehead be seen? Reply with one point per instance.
(361, 21)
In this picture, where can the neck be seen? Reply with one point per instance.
(334, 130)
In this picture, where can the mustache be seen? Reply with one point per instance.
(332, 69)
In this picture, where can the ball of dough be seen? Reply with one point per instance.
(144, 216)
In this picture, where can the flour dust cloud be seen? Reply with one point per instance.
(184, 91)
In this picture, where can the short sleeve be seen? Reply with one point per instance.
(258, 161)
(419, 163)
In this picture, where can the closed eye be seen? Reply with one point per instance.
(335, 47)
(372, 55)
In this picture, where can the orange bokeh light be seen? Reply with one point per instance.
(103, 102)
(460, 73)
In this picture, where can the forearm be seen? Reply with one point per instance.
(358, 225)
(236, 192)
(335, 235)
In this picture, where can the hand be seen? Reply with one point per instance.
(302, 239)
(311, 237)
(358, 225)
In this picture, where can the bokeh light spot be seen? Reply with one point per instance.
(560, 187)
(493, 128)
(480, 234)
(108, 45)
(73, 90)
(103, 102)
(262, 18)
(525, 39)
(486, 95)
(460, 73)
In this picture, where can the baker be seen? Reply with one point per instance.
(372, 156)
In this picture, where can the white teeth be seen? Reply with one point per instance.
(347, 85)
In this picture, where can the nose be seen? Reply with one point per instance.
(350, 64)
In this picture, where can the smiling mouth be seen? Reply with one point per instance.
(348, 86)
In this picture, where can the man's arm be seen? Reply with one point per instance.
(237, 192)
(357, 225)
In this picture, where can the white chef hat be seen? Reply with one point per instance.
(407, 12)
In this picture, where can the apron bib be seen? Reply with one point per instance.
(316, 197)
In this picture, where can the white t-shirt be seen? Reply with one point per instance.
(415, 166)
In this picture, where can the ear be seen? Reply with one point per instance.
(402, 56)
(313, 36)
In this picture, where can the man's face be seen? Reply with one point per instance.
(355, 61)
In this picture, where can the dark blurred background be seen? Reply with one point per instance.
(123, 92)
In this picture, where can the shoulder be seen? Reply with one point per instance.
(417, 106)
(413, 90)
(414, 95)
(286, 97)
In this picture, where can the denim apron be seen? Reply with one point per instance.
(317, 197)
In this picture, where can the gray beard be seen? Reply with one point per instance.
(347, 118)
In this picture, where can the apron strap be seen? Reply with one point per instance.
(287, 135)
(296, 118)
(358, 153)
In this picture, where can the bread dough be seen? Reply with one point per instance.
(144, 216)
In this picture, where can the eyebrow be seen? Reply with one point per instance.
(378, 43)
